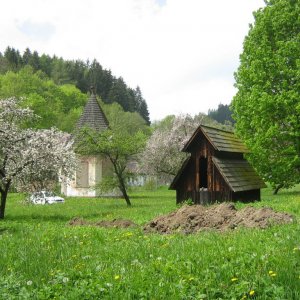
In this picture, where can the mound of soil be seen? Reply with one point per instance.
(116, 223)
(190, 219)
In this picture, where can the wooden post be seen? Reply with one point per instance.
(197, 171)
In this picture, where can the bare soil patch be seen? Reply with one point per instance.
(191, 219)
(116, 223)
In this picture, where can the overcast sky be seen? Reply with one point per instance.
(182, 53)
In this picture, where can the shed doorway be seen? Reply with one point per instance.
(203, 172)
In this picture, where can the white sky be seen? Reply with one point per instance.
(182, 53)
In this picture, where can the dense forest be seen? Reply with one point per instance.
(79, 73)
(222, 114)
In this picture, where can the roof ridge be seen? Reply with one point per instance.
(219, 129)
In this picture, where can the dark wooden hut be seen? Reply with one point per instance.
(216, 169)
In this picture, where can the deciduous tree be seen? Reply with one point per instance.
(120, 144)
(163, 155)
(267, 105)
(27, 156)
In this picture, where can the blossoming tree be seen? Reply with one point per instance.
(163, 155)
(29, 158)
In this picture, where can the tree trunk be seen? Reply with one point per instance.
(277, 189)
(125, 195)
(123, 190)
(122, 186)
(3, 203)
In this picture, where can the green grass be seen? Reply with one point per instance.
(42, 257)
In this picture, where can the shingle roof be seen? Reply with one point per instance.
(238, 174)
(93, 115)
(221, 140)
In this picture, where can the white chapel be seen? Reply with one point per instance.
(91, 168)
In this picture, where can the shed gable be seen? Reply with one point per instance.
(221, 140)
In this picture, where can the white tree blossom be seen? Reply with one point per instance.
(30, 158)
(163, 155)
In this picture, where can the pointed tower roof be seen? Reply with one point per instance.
(93, 115)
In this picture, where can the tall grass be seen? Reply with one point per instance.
(42, 257)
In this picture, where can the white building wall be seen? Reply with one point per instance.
(94, 176)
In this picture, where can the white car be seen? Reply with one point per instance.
(45, 197)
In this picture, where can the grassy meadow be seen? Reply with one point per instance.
(42, 257)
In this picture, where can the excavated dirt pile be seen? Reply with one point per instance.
(116, 223)
(190, 219)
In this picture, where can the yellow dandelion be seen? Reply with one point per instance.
(272, 273)
(117, 277)
(234, 279)
(251, 293)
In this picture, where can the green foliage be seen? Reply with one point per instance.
(58, 106)
(42, 258)
(79, 73)
(119, 144)
(222, 114)
(188, 202)
(266, 106)
(122, 121)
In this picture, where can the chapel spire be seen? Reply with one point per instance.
(93, 115)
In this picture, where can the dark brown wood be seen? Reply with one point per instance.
(216, 170)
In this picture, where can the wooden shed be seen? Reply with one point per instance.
(216, 169)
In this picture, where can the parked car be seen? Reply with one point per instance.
(45, 197)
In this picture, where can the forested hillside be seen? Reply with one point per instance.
(222, 114)
(82, 74)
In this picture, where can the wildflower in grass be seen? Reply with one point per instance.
(29, 282)
(251, 293)
(128, 234)
(135, 262)
(272, 273)
(234, 279)
(117, 277)
(65, 279)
